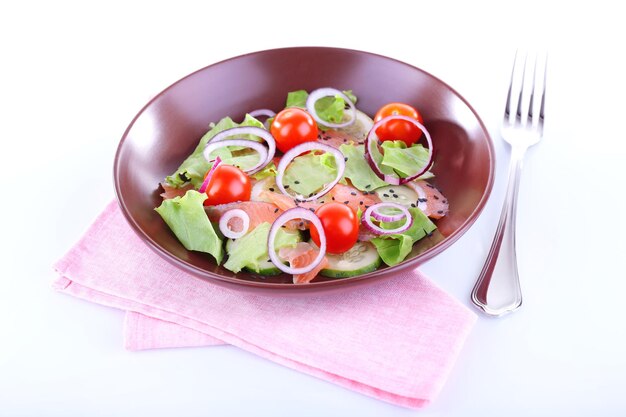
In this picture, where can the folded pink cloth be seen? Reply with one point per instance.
(145, 332)
(395, 340)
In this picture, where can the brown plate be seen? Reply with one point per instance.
(169, 127)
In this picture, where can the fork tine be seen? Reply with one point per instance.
(521, 90)
(507, 108)
(543, 93)
(529, 120)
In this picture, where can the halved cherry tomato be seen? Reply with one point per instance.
(227, 185)
(399, 129)
(292, 127)
(341, 227)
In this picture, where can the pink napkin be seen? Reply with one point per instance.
(395, 340)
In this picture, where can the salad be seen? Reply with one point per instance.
(318, 189)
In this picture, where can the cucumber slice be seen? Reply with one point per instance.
(400, 194)
(361, 126)
(360, 259)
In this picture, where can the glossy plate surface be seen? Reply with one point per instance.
(169, 127)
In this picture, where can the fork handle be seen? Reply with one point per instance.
(497, 290)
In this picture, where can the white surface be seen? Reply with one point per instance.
(73, 76)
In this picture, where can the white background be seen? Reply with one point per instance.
(72, 76)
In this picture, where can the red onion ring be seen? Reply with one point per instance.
(231, 214)
(261, 150)
(372, 138)
(300, 149)
(296, 213)
(373, 211)
(207, 179)
(389, 217)
(262, 112)
(248, 130)
(324, 92)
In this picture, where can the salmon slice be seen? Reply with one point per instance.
(430, 200)
(300, 256)
(352, 197)
(335, 138)
(285, 202)
(171, 192)
(257, 211)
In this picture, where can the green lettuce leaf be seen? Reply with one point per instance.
(329, 108)
(359, 214)
(377, 156)
(248, 249)
(393, 249)
(195, 166)
(286, 238)
(242, 159)
(308, 173)
(251, 249)
(186, 217)
(405, 161)
(350, 95)
(297, 99)
(358, 170)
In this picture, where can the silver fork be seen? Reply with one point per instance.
(497, 290)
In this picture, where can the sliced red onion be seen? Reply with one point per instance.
(229, 215)
(261, 150)
(372, 140)
(325, 92)
(296, 213)
(262, 112)
(389, 217)
(300, 149)
(247, 130)
(373, 211)
(207, 179)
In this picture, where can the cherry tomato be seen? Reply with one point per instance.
(341, 227)
(292, 127)
(227, 185)
(399, 129)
